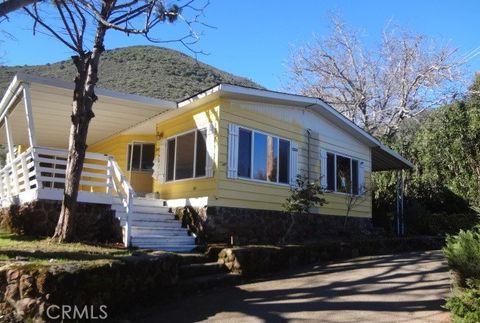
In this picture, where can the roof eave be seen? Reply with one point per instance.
(306, 102)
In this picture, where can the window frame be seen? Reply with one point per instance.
(174, 180)
(252, 150)
(129, 159)
(335, 180)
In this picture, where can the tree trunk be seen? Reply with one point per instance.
(83, 99)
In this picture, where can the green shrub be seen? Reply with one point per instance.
(465, 304)
(463, 254)
(441, 223)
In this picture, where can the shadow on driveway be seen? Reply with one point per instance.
(409, 287)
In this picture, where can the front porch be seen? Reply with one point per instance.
(35, 119)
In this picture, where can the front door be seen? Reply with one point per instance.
(139, 166)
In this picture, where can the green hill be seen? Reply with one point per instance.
(145, 70)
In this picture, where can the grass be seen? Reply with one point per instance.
(45, 250)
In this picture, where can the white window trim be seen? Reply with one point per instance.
(361, 191)
(129, 159)
(251, 179)
(194, 157)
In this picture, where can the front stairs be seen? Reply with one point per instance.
(153, 226)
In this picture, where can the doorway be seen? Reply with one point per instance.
(140, 158)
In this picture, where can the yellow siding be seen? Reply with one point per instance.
(250, 194)
(117, 146)
(189, 188)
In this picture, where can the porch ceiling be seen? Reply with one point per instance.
(51, 109)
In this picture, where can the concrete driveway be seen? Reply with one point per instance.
(409, 287)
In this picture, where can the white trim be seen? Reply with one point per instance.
(351, 158)
(22, 77)
(175, 137)
(297, 100)
(293, 171)
(323, 168)
(130, 158)
(210, 143)
(233, 133)
(233, 161)
(193, 201)
(29, 115)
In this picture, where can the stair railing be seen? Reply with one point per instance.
(122, 188)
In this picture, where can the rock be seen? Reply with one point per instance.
(26, 286)
(21, 258)
(26, 307)
(13, 275)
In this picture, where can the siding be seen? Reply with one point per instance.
(117, 146)
(194, 119)
(290, 123)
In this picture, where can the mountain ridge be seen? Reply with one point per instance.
(151, 71)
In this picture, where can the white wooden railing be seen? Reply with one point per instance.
(17, 176)
(124, 191)
(44, 168)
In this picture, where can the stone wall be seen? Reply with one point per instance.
(111, 286)
(252, 261)
(218, 224)
(94, 223)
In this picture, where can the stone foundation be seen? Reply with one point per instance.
(94, 223)
(247, 226)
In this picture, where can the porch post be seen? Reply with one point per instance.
(399, 218)
(11, 155)
(29, 115)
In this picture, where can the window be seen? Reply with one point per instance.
(142, 158)
(342, 174)
(187, 155)
(263, 157)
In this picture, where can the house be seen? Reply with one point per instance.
(232, 149)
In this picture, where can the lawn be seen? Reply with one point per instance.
(15, 247)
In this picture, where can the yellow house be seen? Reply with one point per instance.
(230, 150)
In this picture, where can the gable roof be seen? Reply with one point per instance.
(383, 157)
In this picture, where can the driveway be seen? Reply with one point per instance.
(408, 287)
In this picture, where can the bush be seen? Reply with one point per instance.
(424, 222)
(465, 304)
(463, 254)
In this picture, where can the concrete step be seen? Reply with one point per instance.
(202, 269)
(156, 224)
(146, 231)
(151, 216)
(168, 247)
(151, 209)
(148, 202)
(180, 249)
(158, 240)
(194, 258)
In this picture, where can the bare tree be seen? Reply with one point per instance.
(73, 23)
(378, 88)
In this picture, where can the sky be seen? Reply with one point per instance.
(254, 38)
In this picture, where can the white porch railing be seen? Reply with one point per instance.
(41, 168)
(17, 176)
